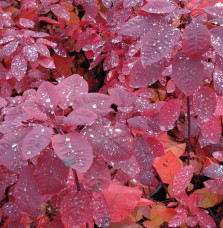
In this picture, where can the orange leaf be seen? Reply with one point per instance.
(166, 214)
(155, 217)
(121, 200)
(167, 167)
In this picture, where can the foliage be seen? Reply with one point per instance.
(111, 113)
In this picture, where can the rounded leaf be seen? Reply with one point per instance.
(159, 6)
(74, 150)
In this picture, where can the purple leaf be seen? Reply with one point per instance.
(30, 53)
(204, 102)
(214, 171)
(158, 43)
(217, 39)
(142, 77)
(187, 73)
(196, 40)
(60, 11)
(18, 66)
(74, 150)
(218, 82)
(214, 186)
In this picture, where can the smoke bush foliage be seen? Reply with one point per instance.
(111, 113)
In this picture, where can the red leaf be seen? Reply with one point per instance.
(97, 178)
(214, 171)
(69, 88)
(49, 20)
(35, 141)
(26, 195)
(109, 141)
(168, 114)
(121, 200)
(74, 150)
(178, 219)
(196, 40)
(10, 48)
(50, 174)
(187, 73)
(101, 213)
(142, 77)
(76, 209)
(158, 43)
(18, 66)
(159, 6)
(46, 62)
(218, 82)
(30, 53)
(47, 95)
(143, 153)
(204, 102)
(182, 179)
(156, 147)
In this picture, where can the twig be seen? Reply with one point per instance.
(189, 130)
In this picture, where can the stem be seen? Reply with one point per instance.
(161, 181)
(189, 130)
(77, 181)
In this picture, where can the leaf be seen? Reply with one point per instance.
(69, 88)
(76, 209)
(141, 77)
(101, 213)
(156, 220)
(187, 73)
(18, 66)
(47, 95)
(96, 102)
(214, 186)
(141, 24)
(178, 219)
(204, 103)
(80, 116)
(143, 153)
(218, 82)
(217, 39)
(208, 199)
(10, 48)
(60, 11)
(109, 141)
(204, 219)
(196, 40)
(218, 155)
(30, 53)
(97, 178)
(11, 145)
(211, 130)
(35, 141)
(182, 179)
(26, 194)
(46, 62)
(36, 114)
(157, 43)
(168, 166)
(156, 147)
(50, 173)
(168, 114)
(159, 6)
(121, 200)
(214, 171)
(74, 150)
(146, 176)
(166, 214)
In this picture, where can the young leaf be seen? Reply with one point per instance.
(187, 73)
(50, 174)
(76, 209)
(35, 141)
(158, 43)
(74, 150)
(121, 200)
(182, 179)
(196, 40)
